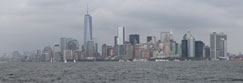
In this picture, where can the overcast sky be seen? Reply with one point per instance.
(27, 25)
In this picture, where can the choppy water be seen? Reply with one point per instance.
(123, 72)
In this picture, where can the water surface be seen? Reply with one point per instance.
(122, 72)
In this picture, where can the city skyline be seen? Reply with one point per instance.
(38, 32)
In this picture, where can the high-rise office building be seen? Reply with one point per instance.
(171, 35)
(46, 54)
(57, 54)
(149, 39)
(64, 43)
(188, 46)
(68, 44)
(165, 36)
(173, 48)
(89, 45)
(87, 28)
(90, 49)
(199, 49)
(72, 45)
(165, 41)
(206, 52)
(115, 40)
(104, 50)
(191, 47)
(121, 35)
(107, 51)
(179, 50)
(134, 39)
(38, 55)
(96, 48)
(184, 48)
(218, 45)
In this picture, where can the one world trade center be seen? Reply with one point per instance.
(88, 37)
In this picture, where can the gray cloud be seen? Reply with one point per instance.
(31, 24)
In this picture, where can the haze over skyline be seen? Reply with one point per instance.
(27, 25)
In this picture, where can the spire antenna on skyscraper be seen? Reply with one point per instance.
(87, 9)
(88, 37)
(171, 31)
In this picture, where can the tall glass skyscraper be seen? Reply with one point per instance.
(121, 35)
(188, 46)
(191, 47)
(88, 36)
(134, 39)
(87, 27)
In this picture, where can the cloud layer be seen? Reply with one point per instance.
(31, 24)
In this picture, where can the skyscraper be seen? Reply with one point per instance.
(57, 53)
(89, 47)
(68, 44)
(218, 45)
(165, 41)
(104, 50)
(188, 46)
(173, 48)
(73, 45)
(64, 45)
(149, 38)
(115, 41)
(184, 48)
(134, 38)
(191, 47)
(47, 53)
(206, 52)
(121, 35)
(199, 49)
(87, 28)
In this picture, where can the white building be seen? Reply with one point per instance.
(121, 35)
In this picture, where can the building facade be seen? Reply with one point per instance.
(218, 45)
(199, 50)
(121, 35)
(134, 39)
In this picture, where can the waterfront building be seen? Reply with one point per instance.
(38, 55)
(89, 45)
(188, 46)
(165, 43)
(68, 44)
(173, 48)
(191, 47)
(107, 50)
(68, 55)
(115, 40)
(90, 49)
(73, 45)
(184, 48)
(57, 54)
(206, 52)
(199, 49)
(218, 45)
(104, 50)
(47, 54)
